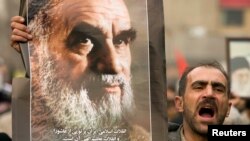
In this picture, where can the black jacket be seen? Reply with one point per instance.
(174, 132)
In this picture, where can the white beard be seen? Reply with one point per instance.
(241, 89)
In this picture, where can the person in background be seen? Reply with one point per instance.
(5, 100)
(240, 80)
(240, 76)
(172, 113)
(245, 115)
(203, 99)
(235, 118)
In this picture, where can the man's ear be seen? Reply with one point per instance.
(229, 108)
(179, 103)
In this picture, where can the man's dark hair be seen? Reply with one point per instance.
(210, 64)
(34, 7)
(41, 8)
(239, 63)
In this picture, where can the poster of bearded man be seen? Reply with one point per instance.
(238, 52)
(89, 70)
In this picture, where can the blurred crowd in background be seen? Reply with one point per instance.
(11, 64)
(5, 100)
(198, 30)
(195, 30)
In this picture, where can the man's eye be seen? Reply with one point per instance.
(78, 39)
(80, 44)
(84, 45)
(120, 42)
(220, 89)
(85, 41)
(198, 87)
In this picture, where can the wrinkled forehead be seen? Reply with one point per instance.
(208, 74)
(105, 7)
(105, 14)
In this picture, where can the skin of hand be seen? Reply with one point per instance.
(20, 32)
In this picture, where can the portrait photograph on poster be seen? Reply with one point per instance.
(238, 52)
(89, 70)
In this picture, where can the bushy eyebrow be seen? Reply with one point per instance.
(218, 84)
(84, 30)
(126, 34)
(200, 82)
(204, 83)
(87, 30)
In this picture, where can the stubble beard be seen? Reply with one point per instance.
(191, 121)
(196, 126)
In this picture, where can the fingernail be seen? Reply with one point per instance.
(22, 19)
(30, 36)
(28, 30)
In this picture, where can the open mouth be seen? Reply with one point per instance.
(207, 112)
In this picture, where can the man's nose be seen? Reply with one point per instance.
(208, 91)
(110, 61)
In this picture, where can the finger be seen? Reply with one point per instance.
(21, 33)
(15, 38)
(16, 46)
(18, 19)
(19, 26)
